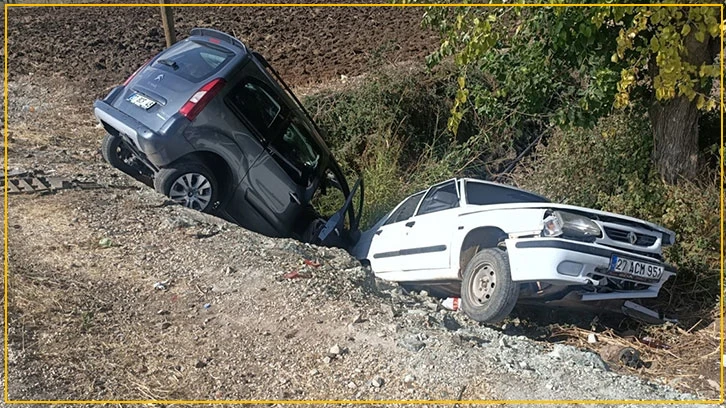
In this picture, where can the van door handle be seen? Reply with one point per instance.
(410, 224)
(294, 198)
(379, 232)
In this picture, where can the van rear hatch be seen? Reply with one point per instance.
(162, 87)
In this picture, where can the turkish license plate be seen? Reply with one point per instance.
(637, 270)
(141, 101)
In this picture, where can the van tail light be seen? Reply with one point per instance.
(126, 82)
(201, 98)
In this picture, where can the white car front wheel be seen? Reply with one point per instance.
(488, 294)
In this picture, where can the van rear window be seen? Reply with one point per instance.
(193, 61)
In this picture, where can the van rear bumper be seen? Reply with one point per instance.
(151, 146)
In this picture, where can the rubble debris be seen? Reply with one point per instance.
(314, 264)
(451, 303)
(630, 357)
(163, 285)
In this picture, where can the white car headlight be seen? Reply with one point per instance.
(570, 224)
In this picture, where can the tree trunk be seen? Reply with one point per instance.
(675, 131)
(675, 123)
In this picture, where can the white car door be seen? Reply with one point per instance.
(388, 240)
(431, 230)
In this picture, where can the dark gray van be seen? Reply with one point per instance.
(211, 125)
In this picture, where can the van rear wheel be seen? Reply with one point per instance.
(189, 183)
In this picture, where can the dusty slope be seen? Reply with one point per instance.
(87, 322)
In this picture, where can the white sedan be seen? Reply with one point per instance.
(497, 244)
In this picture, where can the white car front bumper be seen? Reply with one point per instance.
(564, 262)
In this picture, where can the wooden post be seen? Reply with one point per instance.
(167, 19)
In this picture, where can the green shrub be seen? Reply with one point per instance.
(392, 131)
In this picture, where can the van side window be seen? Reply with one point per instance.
(257, 104)
(296, 146)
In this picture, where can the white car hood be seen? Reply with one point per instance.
(655, 227)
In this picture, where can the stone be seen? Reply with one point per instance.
(335, 350)
(411, 344)
(377, 382)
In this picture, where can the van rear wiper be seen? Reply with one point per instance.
(169, 63)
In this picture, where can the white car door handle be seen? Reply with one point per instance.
(410, 224)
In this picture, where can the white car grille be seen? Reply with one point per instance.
(631, 238)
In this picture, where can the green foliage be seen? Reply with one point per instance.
(571, 65)
(392, 131)
(608, 168)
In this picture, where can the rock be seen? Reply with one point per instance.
(714, 384)
(327, 360)
(200, 364)
(411, 344)
(587, 359)
(351, 385)
(335, 350)
(592, 338)
(524, 366)
(165, 325)
(377, 382)
(449, 323)
(503, 343)
(389, 311)
(314, 372)
(408, 379)
(424, 293)
(358, 319)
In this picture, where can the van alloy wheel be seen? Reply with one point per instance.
(192, 190)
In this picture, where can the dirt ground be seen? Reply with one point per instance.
(115, 294)
(100, 47)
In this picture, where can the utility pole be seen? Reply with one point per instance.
(167, 19)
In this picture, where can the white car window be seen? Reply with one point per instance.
(405, 210)
(439, 198)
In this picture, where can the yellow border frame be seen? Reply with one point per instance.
(311, 402)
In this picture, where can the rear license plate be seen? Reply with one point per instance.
(636, 270)
(141, 101)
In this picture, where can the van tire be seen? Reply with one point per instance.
(190, 183)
